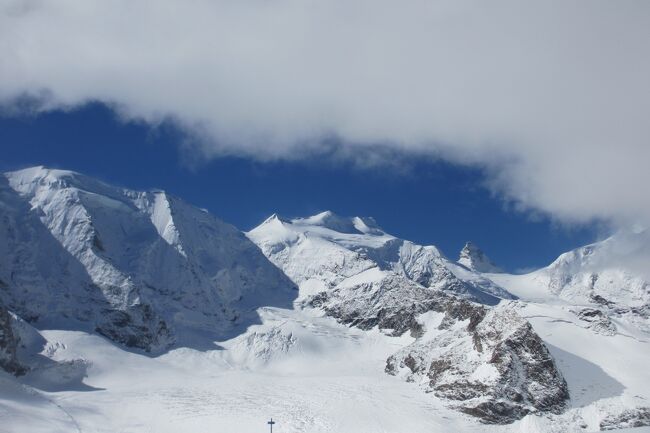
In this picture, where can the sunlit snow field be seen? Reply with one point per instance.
(307, 372)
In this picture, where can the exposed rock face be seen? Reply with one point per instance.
(597, 321)
(491, 363)
(138, 267)
(260, 347)
(137, 326)
(630, 418)
(9, 341)
(488, 361)
(391, 303)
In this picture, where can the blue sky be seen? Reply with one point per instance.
(429, 202)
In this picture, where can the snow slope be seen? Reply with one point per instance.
(613, 271)
(331, 381)
(603, 282)
(309, 373)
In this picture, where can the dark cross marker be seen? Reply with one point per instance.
(270, 423)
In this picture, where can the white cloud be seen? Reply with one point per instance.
(552, 97)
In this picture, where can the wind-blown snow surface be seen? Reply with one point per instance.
(330, 379)
(308, 371)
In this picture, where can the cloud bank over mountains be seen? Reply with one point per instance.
(552, 98)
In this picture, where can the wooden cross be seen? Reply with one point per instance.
(270, 423)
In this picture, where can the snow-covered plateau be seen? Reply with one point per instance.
(126, 311)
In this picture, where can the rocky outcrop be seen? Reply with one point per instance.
(391, 303)
(9, 342)
(137, 327)
(259, 347)
(629, 418)
(25, 351)
(487, 362)
(491, 364)
(472, 257)
(597, 321)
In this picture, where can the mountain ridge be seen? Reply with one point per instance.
(140, 263)
(352, 241)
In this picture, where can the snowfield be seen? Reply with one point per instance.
(310, 374)
(382, 335)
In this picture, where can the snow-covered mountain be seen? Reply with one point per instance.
(325, 250)
(140, 268)
(475, 357)
(607, 279)
(614, 271)
(381, 335)
(475, 259)
(594, 303)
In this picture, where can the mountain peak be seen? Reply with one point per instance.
(322, 218)
(41, 172)
(32, 179)
(330, 220)
(472, 257)
(347, 225)
(275, 218)
(145, 266)
(368, 225)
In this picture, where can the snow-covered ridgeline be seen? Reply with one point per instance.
(601, 283)
(324, 250)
